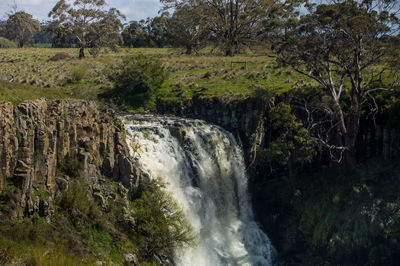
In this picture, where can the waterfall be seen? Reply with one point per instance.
(204, 170)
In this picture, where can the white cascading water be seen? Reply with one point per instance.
(204, 170)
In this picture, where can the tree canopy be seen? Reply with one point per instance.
(152, 32)
(88, 22)
(342, 47)
(188, 27)
(21, 27)
(233, 23)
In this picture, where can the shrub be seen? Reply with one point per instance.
(79, 205)
(160, 226)
(5, 43)
(95, 51)
(77, 73)
(292, 143)
(139, 74)
(70, 166)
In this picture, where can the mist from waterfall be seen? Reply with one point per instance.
(204, 170)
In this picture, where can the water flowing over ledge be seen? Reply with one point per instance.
(204, 169)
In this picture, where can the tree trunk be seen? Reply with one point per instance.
(82, 52)
(229, 51)
(188, 50)
(353, 126)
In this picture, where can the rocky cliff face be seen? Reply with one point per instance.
(37, 137)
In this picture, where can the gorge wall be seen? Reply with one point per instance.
(273, 198)
(38, 137)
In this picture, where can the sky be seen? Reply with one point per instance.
(132, 9)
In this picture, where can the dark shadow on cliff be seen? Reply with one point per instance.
(334, 216)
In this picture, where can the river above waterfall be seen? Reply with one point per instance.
(204, 170)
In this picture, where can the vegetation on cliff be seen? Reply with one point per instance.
(70, 193)
(141, 227)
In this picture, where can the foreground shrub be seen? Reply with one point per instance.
(139, 74)
(5, 43)
(160, 226)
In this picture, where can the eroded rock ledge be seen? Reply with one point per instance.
(38, 136)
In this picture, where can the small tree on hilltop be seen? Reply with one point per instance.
(21, 27)
(88, 23)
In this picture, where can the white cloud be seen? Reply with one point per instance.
(132, 9)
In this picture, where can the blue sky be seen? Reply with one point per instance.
(132, 9)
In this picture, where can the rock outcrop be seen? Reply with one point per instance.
(37, 137)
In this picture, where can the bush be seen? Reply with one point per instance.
(79, 205)
(70, 166)
(160, 226)
(293, 142)
(77, 73)
(95, 51)
(139, 74)
(352, 217)
(5, 43)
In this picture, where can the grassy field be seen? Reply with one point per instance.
(30, 74)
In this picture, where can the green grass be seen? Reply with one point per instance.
(17, 93)
(24, 253)
(207, 75)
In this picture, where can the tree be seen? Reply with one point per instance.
(152, 32)
(61, 39)
(159, 30)
(135, 35)
(342, 47)
(87, 22)
(187, 28)
(233, 23)
(106, 32)
(160, 225)
(21, 27)
(3, 31)
(43, 35)
(292, 144)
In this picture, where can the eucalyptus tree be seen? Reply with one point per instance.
(135, 34)
(88, 22)
(152, 32)
(187, 28)
(159, 30)
(21, 27)
(342, 46)
(233, 23)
